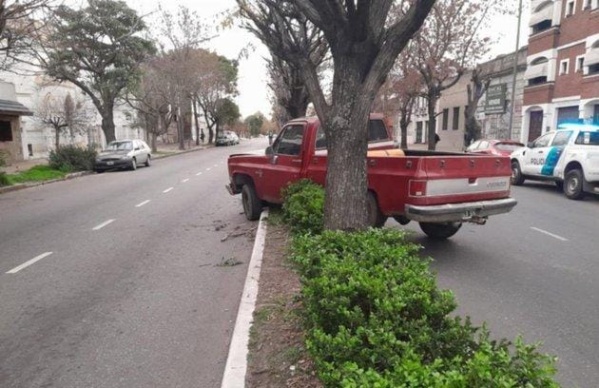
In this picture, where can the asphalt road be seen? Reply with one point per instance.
(533, 272)
(134, 284)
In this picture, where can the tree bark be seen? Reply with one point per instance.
(197, 120)
(432, 99)
(57, 137)
(108, 123)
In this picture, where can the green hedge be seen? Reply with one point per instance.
(303, 207)
(69, 158)
(375, 316)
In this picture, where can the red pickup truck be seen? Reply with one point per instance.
(440, 190)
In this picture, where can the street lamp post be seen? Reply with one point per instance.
(513, 102)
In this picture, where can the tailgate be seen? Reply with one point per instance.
(460, 178)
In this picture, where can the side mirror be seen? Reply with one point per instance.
(136, 149)
(269, 151)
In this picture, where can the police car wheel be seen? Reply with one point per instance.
(517, 178)
(573, 184)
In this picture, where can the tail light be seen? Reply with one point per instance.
(417, 188)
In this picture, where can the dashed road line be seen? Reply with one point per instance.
(28, 263)
(143, 203)
(103, 224)
(208, 169)
(198, 174)
(549, 234)
(185, 181)
(216, 165)
(167, 190)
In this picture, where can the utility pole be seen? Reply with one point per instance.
(513, 101)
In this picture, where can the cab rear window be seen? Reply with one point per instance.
(376, 132)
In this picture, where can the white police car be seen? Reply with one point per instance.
(568, 156)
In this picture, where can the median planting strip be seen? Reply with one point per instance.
(28, 263)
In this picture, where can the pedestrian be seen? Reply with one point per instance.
(202, 137)
(437, 138)
(270, 135)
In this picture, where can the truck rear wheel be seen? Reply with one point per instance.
(440, 230)
(376, 219)
(517, 178)
(252, 206)
(573, 183)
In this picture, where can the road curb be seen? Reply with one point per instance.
(236, 366)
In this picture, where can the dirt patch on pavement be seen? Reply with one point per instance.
(277, 354)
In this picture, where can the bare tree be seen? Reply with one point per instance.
(64, 114)
(476, 89)
(451, 41)
(18, 24)
(364, 44)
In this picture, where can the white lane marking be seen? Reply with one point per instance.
(549, 234)
(167, 190)
(30, 262)
(236, 366)
(143, 203)
(103, 224)
(198, 174)
(216, 165)
(185, 181)
(208, 169)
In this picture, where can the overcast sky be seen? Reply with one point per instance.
(253, 89)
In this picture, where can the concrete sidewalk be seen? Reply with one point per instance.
(164, 150)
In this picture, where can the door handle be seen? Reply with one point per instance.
(296, 161)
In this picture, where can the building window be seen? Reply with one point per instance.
(456, 118)
(542, 26)
(5, 131)
(570, 8)
(594, 69)
(445, 119)
(588, 4)
(563, 66)
(579, 63)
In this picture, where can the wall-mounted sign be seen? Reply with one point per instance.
(495, 99)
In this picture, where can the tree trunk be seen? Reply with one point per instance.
(210, 134)
(347, 136)
(197, 120)
(153, 136)
(57, 138)
(180, 131)
(108, 123)
(432, 120)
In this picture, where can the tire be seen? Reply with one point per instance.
(252, 206)
(402, 220)
(441, 230)
(99, 171)
(517, 178)
(376, 219)
(148, 162)
(573, 184)
(133, 164)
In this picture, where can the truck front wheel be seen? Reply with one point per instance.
(440, 230)
(517, 178)
(252, 206)
(573, 184)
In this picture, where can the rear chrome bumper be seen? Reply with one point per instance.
(464, 212)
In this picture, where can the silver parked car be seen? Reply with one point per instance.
(123, 154)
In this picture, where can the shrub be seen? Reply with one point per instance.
(3, 178)
(72, 158)
(375, 317)
(303, 207)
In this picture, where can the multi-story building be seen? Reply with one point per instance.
(493, 112)
(562, 77)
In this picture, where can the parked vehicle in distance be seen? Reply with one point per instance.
(439, 190)
(226, 138)
(568, 156)
(494, 147)
(123, 154)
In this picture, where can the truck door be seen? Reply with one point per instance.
(285, 162)
(535, 156)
